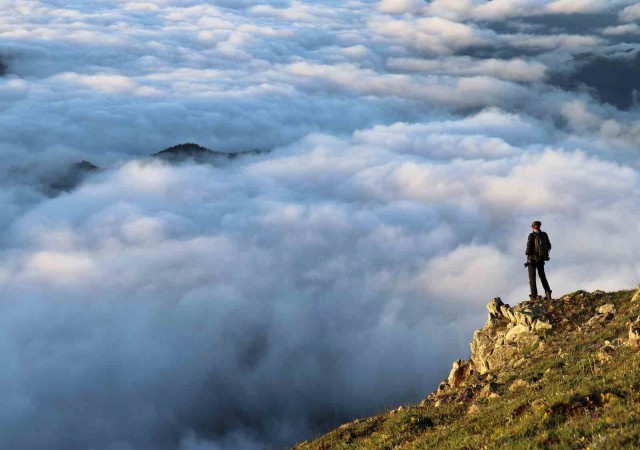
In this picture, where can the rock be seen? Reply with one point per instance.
(604, 313)
(606, 351)
(494, 306)
(514, 332)
(598, 292)
(460, 371)
(609, 308)
(473, 409)
(507, 332)
(518, 384)
(634, 334)
(508, 313)
(636, 295)
(439, 403)
(541, 324)
(467, 394)
(519, 362)
(487, 390)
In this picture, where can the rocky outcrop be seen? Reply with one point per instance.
(604, 314)
(505, 339)
(506, 334)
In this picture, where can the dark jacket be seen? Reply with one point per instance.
(541, 253)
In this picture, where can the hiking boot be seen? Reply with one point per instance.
(547, 295)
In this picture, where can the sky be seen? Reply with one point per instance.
(408, 145)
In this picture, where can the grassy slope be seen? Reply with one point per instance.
(577, 395)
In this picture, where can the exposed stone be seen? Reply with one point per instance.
(468, 394)
(487, 390)
(636, 295)
(579, 295)
(519, 362)
(598, 292)
(604, 314)
(460, 371)
(473, 409)
(514, 332)
(634, 334)
(494, 306)
(540, 324)
(606, 351)
(609, 308)
(518, 384)
(507, 332)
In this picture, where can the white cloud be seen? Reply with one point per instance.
(630, 28)
(577, 6)
(432, 34)
(401, 6)
(56, 267)
(550, 42)
(630, 14)
(512, 70)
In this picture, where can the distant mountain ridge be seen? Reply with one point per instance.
(74, 174)
(192, 151)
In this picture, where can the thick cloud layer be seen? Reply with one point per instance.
(254, 304)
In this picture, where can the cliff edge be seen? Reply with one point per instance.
(546, 374)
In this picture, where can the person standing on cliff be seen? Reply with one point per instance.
(538, 248)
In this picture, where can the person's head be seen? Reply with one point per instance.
(536, 225)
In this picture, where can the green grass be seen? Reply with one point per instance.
(578, 397)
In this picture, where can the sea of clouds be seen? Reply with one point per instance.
(262, 302)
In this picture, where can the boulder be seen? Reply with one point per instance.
(540, 324)
(634, 334)
(460, 371)
(473, 409)
(488, 390)
(606, 352)
(494, 306)
(607, 309)
(519, 384)
(604, 313)
(514, 332)
(636, 295)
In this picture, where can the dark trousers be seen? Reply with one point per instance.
(539, 266)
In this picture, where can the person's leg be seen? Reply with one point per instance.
(543, 278)
(532, 281)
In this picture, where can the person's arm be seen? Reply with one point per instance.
(548, 241)
(529, 250)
